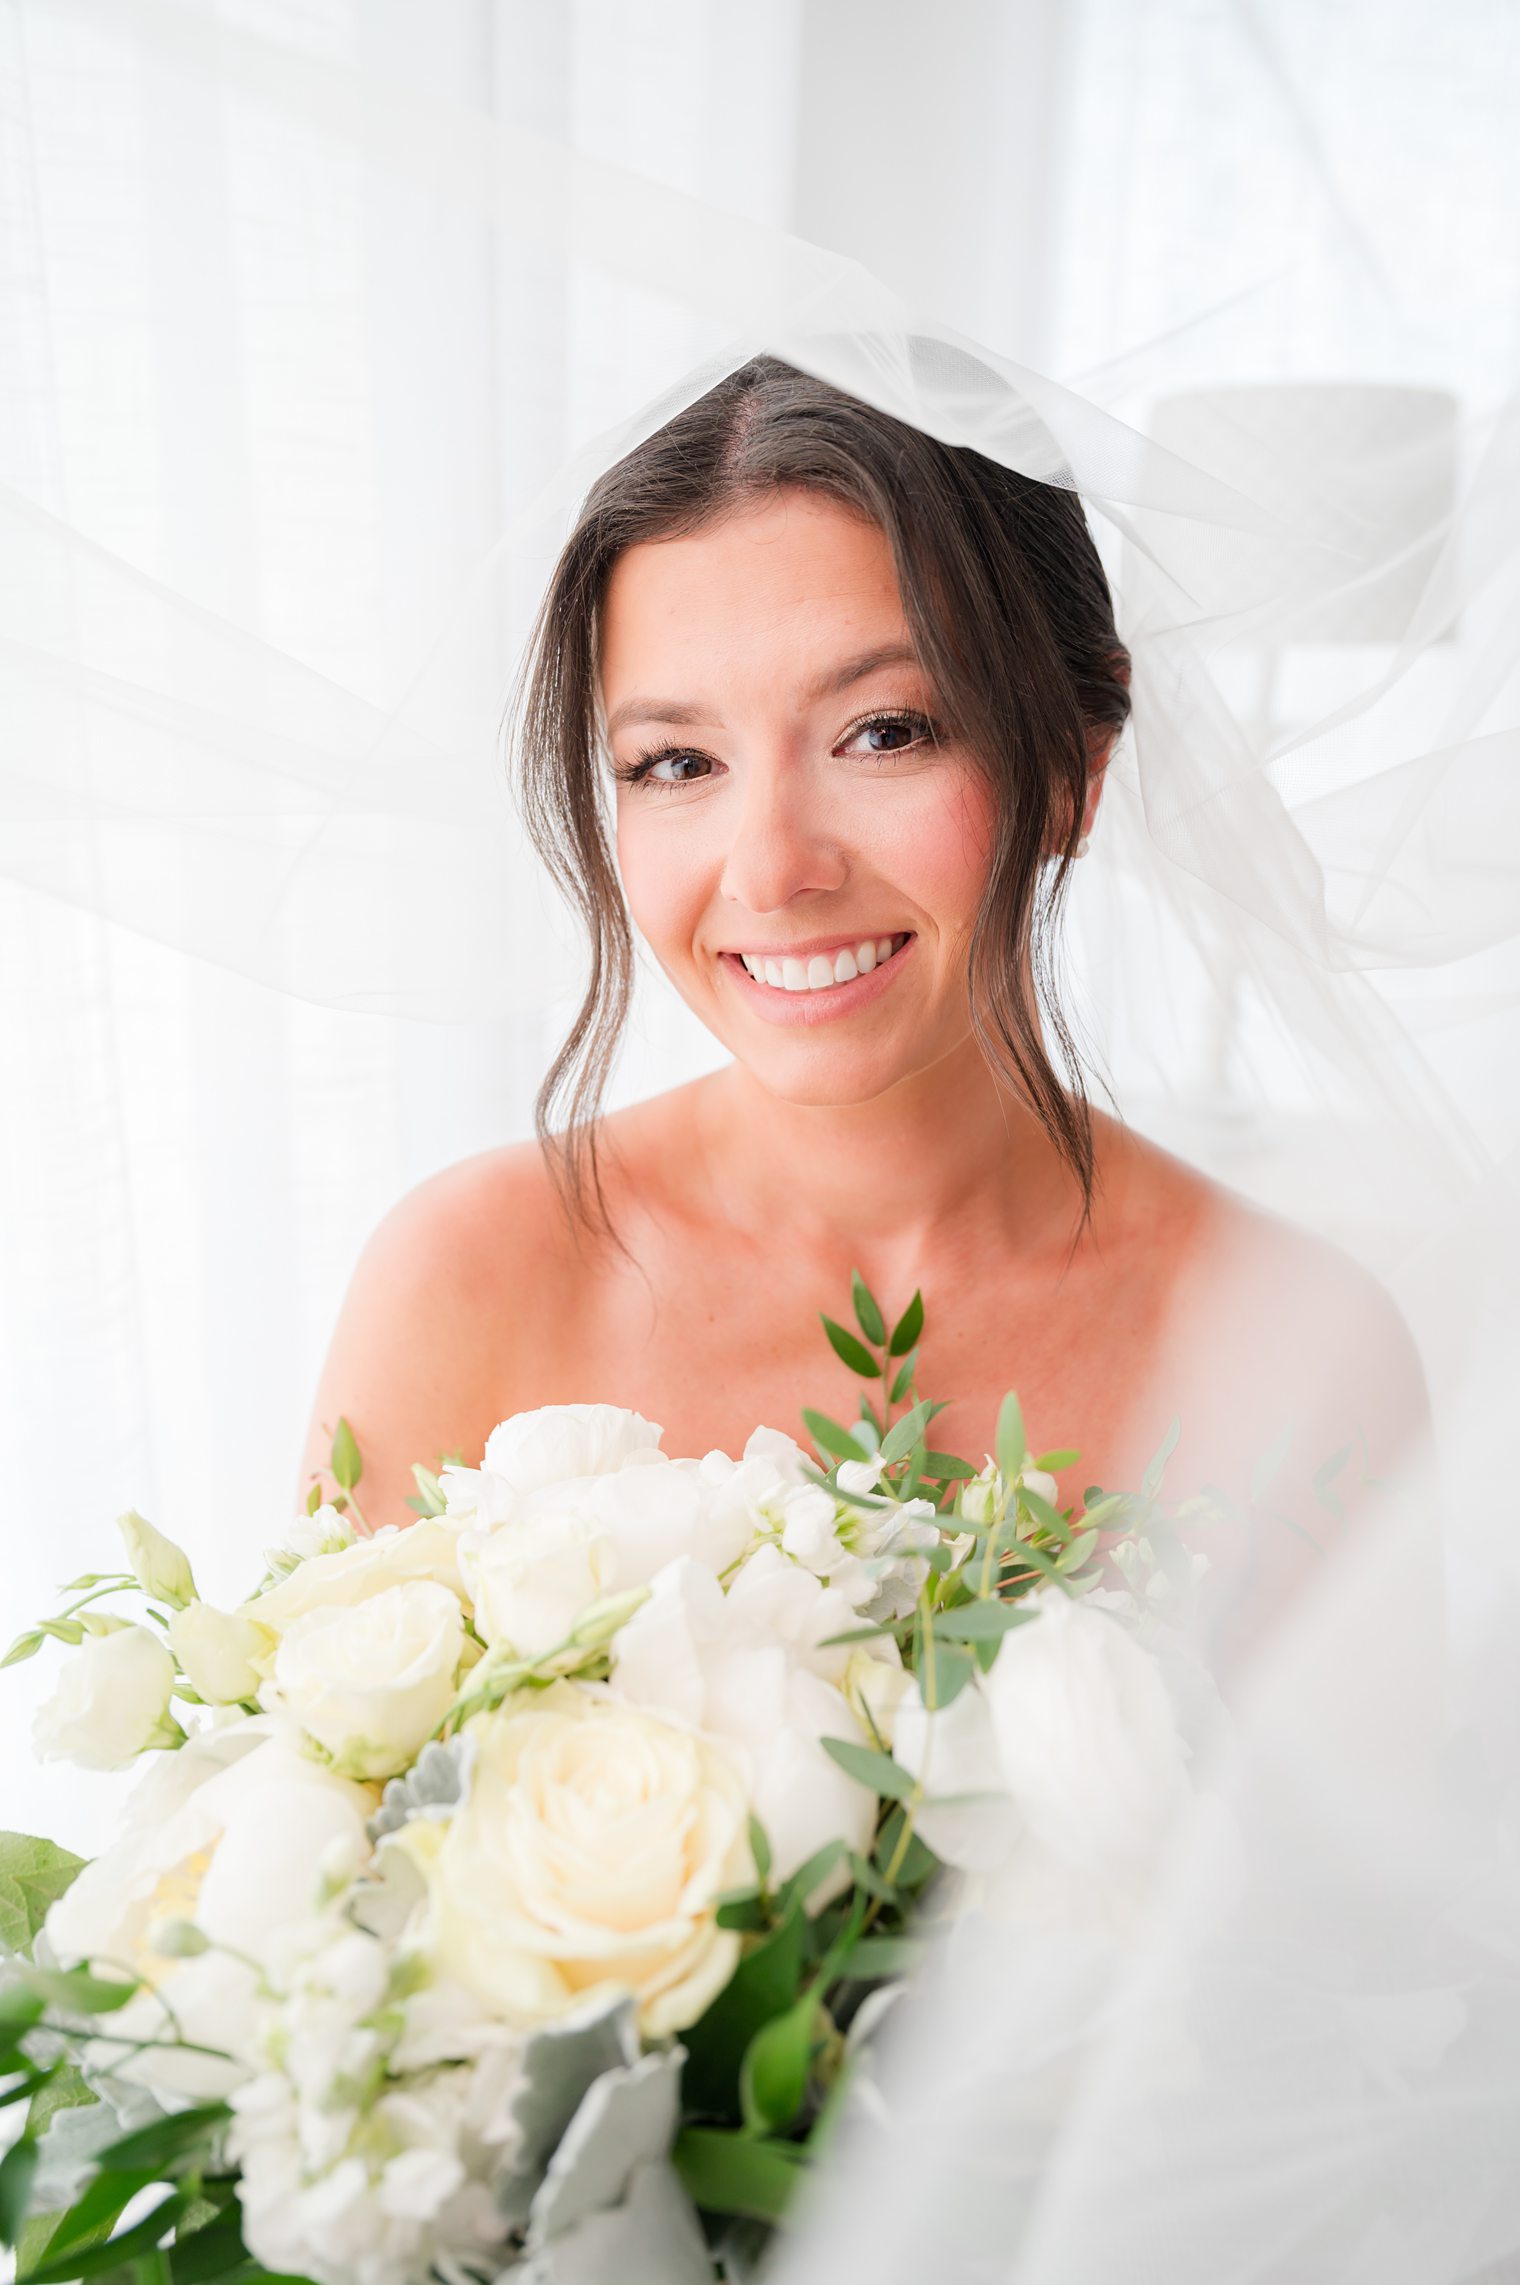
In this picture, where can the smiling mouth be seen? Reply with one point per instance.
(822, 971)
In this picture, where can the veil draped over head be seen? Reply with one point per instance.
(1292, 958)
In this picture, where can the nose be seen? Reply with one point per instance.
(781, 847)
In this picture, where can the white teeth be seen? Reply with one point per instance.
(820, 970)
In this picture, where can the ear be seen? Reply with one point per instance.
(1100, 747)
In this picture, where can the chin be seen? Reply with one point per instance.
(830, 1077)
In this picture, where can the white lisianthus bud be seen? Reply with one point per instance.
(979, 1496)
(531, 1581)
(874, 1690)
(161, 1569)
(1036, 1480)
(371, 1681)
(859, 1476)
(111, 1703)
(215, 1650)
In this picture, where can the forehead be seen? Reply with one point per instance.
(765, 597)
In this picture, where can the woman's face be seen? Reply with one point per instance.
(802, 856)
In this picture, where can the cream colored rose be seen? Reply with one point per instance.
(589, 1856)
(530, 1581)
(111, 1703)
(216, 1650)
(372, 1681)
(427, 1550)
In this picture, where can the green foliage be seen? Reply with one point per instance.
(732, 2173)
(764, 1985)
(347, 1467)
(773, 2076)
(878, 1770)
(34, 1873)
(1010, 1448)
(867, 1314)
(852, 1352)
(909, 1326)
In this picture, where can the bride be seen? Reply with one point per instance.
(850, 694)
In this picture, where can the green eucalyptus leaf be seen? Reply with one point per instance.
(830, 1437)
(904, 1380)
(744, 1910)
(314, 1498)
(801, 1884)
(980, 1622)
(876, 1956)
(1036, 1504)
(906, 1331)
(1010, 1448)
(905, 1433)
(877, 1770)
(79, 1991)
(851, 1352)
(867, 1314)
(71, 2266)
(1053, 1462)
(953, 1669)
(347, 1467)
(1071, 1558)
(945, 1468)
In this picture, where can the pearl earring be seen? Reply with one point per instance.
(1082, 846)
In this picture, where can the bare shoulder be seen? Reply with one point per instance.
(1291, 1297)
(416, 1351)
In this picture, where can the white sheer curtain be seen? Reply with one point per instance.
(228, 365)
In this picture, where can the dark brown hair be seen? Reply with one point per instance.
(1009, 611)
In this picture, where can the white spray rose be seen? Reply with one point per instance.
(426, 1550)
(111, 1703)
(1073, 1739)
(371, 1681)
(752, 1667)
(323, 1530)
(530, 1581)
(589, 1855)
(229, 1834)
(216, 1650)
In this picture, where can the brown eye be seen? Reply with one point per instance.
(893, 733)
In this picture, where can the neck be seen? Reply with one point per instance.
(889, 1183)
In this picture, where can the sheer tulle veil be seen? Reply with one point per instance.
(1291, 957)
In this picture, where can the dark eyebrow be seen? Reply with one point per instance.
(828, 685)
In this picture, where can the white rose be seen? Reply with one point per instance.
(111, 1703)
(588, 1856)
(230, 1834)
(530, 1581)
(751, 1667)
(427, 1550)
(559, 1441)
(372, 1681)
(1072, 1739)
(216, 1650)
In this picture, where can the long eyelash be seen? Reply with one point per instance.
(634, 772)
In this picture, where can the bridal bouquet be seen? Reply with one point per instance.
(513, 1896)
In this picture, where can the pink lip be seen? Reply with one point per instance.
(780, 1007)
